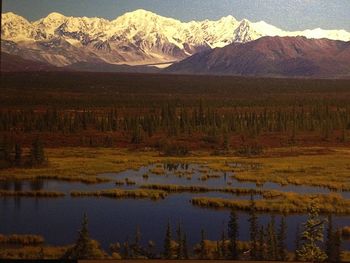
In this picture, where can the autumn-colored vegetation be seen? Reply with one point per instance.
(281, 203)
(346, 232)
(77, 127)
(118, 193)
(36, 194)
(21, 240)
(203, 189)
(174, 114)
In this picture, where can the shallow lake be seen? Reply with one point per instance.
(112, 220)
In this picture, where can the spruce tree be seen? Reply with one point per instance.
(271, 240)
(83, 243)
(137, 245)
(297, 243)
(126, 249)
(253, 222)
(41, 254)
(18, 155)
(312, 236)
(179, 242)
(330, 239)
(167, 243)
(5, 153)
(333, 242)
(337, 246)
(37, 155)
(261, 254)
(218, 250)
(233, 234)
(222, 245)
(282, 235)
(151, 249)
(203, 253)
(185, 248)
(84, 248)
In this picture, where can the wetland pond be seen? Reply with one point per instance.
(115, 220)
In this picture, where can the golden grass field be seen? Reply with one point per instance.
(323, 167)
(303, 166)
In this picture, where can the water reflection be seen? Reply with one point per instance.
(18, 185)
(174, 173)
(112, 220)
(5, 185)
(175, 166)
(37, 185)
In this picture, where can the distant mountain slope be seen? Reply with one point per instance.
(272, 56)
(105, 67)
(12, 63)
(136, 38)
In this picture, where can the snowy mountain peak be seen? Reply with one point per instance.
(245, 22)
(53, 19)
(137, 37)
(227, 19)
(140, 13)
(55, 16)
(13, 19)
(142, 17)
(10, 15)
(15, 27)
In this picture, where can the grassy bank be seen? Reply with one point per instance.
(36, 194)
(32, 252)
(346, 232)
(171, 188)
(300, 166)
(118, 193)
(280, 203)
(21, 239)
(329, 169)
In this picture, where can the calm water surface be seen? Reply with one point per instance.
(112, 220)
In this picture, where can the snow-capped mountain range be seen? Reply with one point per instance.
(135, 38)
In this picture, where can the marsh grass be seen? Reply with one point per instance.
(157, 170)
(328, 170)
(184, 173)
(281, 203)
(119, 193)
(208, 176)
(36, 194)
(118, 182)
(307, 166)
(203, 177)
(200, 189)
(81, 164)
(21, 239)
(345, 256)
(129, 182)
(32, 252)
(346, 232)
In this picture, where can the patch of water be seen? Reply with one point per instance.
(112, 220)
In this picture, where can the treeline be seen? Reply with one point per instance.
(164, 111)
(12, 154)
(212, 124)
(267, 243)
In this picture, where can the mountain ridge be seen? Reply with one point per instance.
(135, 38)
(272, 56)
